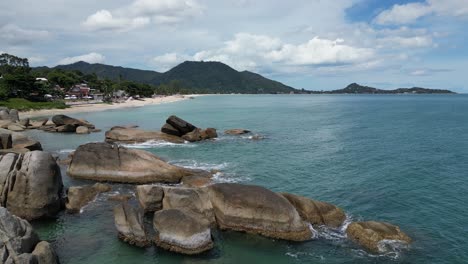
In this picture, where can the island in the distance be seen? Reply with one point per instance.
(355, 88)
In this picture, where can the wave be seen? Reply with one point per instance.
(157, 144)
(339, 233)
(65, 151)
(221, 173)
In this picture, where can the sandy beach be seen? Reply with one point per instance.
(102, 106)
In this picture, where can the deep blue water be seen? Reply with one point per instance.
(396, 158)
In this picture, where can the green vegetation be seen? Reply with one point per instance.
(355, 88)
(24, 105)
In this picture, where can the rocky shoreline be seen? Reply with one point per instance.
(183, 215)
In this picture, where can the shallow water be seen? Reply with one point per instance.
(396, 158)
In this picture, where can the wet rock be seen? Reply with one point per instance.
(150, 197)
(208, 133)
(371, 234)
(106, 162)
(181, 125)
(179, 232)
(82, 130)
(129, 224)
(168, 129)
(194, 201)
(30, 184)
(133, 135)
(193, 136)
(316, 212)
(236, 131)
(254, 209)
(79, 196)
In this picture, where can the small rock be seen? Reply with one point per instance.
(79, 196)
(44, 253)
(193, 136)
(24, 122)
(66, 128)
(168, 129)
(236, 131)
(15, 127)
(82, 130)
(14, 115)
(209, 133)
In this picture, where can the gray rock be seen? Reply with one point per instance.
(168, 129)
(66, 129)
(193, 136)
(5, 114)
(181, 125)
(16, 127)
(180, 232)
(44, 253)
(60, 120)
(6, 141)
(14, 115)
(129, 224)
(24, 122)
(79, 196)
(82, 130)
(236, 131)
(20, 141)
(150, 197)
(133, 135)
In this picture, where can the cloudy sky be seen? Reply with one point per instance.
(311, 44)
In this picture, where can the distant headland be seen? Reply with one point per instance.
(355, 88)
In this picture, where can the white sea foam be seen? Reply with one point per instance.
(64, 151)
(223, 170)
(339, 233)
(157, 144)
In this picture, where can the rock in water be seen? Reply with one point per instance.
(20, 244)
(30, 184)
(236, 131)
(150, 197)
(106, 162)
(61, 120)
(66, 128)
(179, 232)
(371, 234)
(82, 130)
(208, 133)
(79, 196)
(133, 135)
(255, 209)
(129, 224)
(181, 125)
(168, 129)
(16, 128)
(193, 136)
(21, 141)
(193, 201)
(316, 212)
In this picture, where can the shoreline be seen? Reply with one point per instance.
(82, 108)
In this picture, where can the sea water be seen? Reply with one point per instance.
(402, 159)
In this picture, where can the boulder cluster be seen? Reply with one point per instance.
(180, 128)
(66, 124)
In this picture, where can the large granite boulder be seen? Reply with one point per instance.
(181, 125)
(180, 232)
(316, 212)
(194, 201)
(255, 209)
(372, 235)
(150, 197)
(20, 244)
(106, 162)
(168, 129)
(129, 224)
(236, 131)
(133, 135)
(61, 120)
(79, 196)
(30, 184)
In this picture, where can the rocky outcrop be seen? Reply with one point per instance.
(129, 224)
(79, 196)
(168, 129)
(372, 235)
(150, 197)
(20, 244)
(196, 181)
(16, 127)
(208, 133)
(7, 114)
(106, 162)
(236, 131)
(180, 232)
(133, 135)
(255, 209)
(61, 120)
(194, 201)
(180, 125)
(316, 212)
(20, 141)
(30, 184)
(193, 136)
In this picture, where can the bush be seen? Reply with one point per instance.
(24, 105)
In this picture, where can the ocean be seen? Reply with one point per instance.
(402, 159)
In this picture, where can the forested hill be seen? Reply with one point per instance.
(355, 88)
(208, 77)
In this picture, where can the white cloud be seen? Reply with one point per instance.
(169, 60)
(397, 42)
(141, 13)
(92, 57)
(425, 71)
(408, 13)
(15, 35)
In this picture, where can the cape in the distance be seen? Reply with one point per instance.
(217, 77)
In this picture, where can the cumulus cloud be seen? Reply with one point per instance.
(141, 13)
(408, 13)
(169, 60)
(15, 35)
(407, 42)
(425, 71)
(92, 57)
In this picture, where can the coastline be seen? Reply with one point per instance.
(103, 106)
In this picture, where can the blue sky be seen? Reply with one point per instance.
(311, 44)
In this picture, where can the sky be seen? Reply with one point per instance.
(310, 44)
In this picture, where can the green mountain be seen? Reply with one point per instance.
(355, 88)
(210, 77)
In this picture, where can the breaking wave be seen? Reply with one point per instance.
(157, 144)
(222, 171)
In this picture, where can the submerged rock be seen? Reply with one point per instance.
(194, 201)
(255, 209)
(133, 135)
(30, 184)
(150, 197)
(129, 224)
(316, 212)
(371, 234)
(20, 244)
(106, 162)
(79, 196)
(179, 232)
(236, 131)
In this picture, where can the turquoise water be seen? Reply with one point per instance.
(396, 158)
